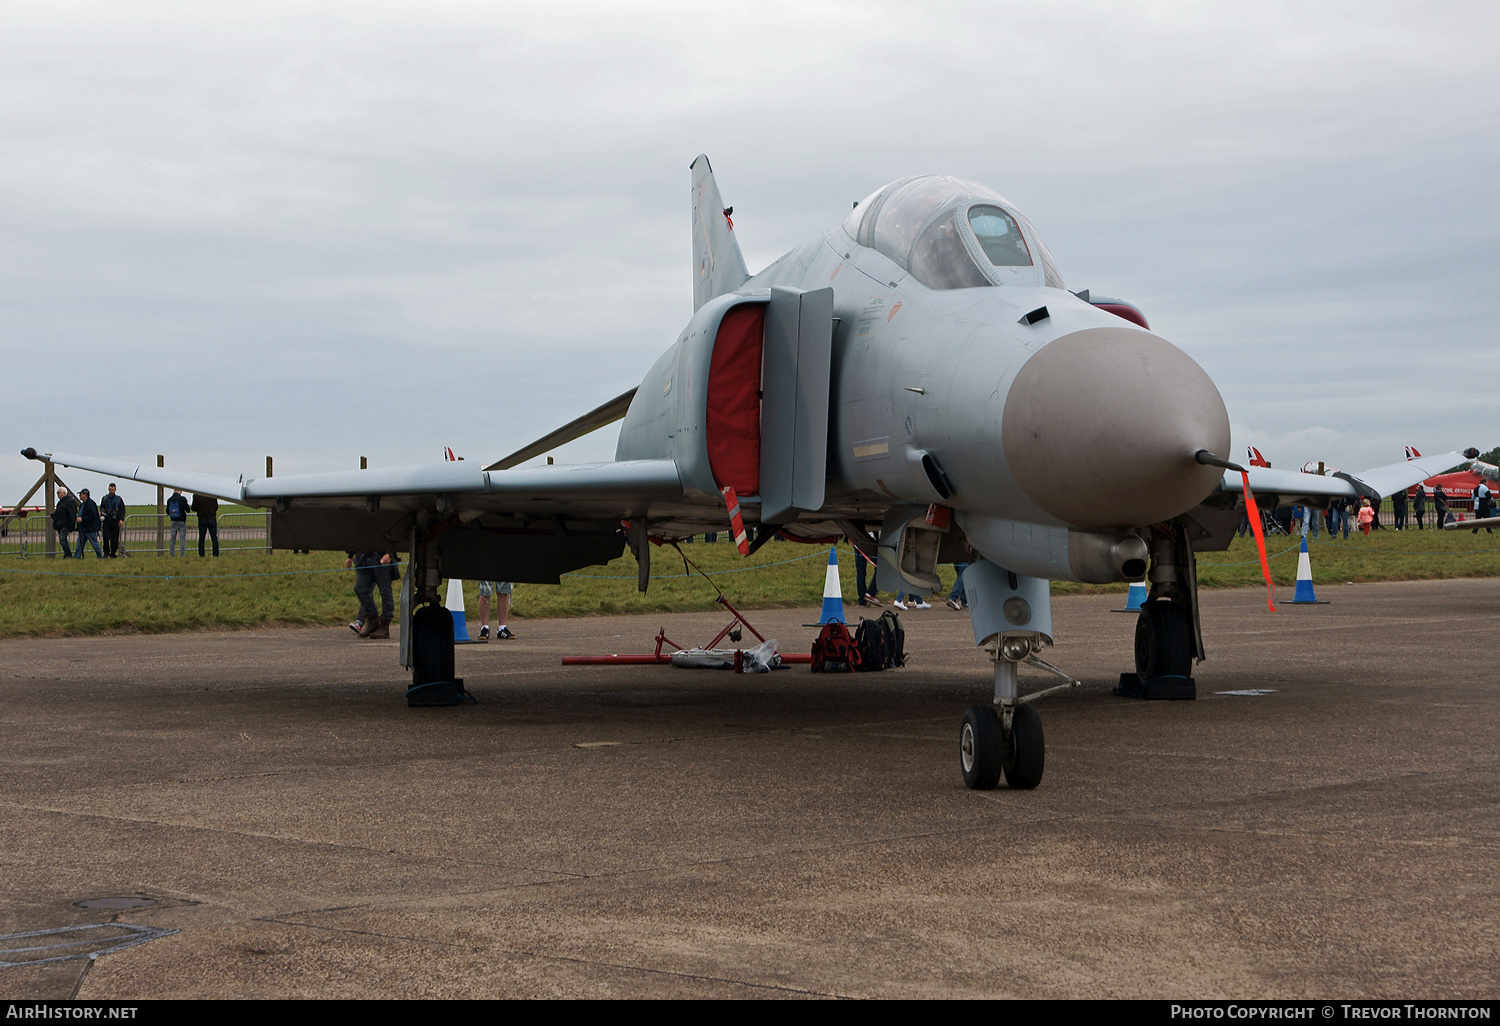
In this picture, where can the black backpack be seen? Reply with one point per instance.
(874, 643)
(834, 651)
(896, 638)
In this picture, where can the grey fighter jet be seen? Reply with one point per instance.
(917, 378)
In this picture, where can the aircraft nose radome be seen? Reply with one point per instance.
(1101, 426)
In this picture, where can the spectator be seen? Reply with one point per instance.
(1366, 515)
(1439, 506)
(866, 595)
(501, 590)
(956, 597)
(1482, 505)
(177, 513)
(207, 508)
(1419, 505)
(64, 517)
(1340, 509)
(1309, 519)
(112, 509)
(88, 525)
(374, 569)
(1398, 504)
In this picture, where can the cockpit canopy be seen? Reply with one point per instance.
(949, 233)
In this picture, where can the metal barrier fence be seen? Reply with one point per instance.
(27, 536)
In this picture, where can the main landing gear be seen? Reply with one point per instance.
(429, 626)
(1168, 636)
(1012, 619)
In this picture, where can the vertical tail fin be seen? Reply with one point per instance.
(718, 266)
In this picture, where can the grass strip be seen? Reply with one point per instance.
(244, 589)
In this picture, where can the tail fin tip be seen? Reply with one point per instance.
(718, 264)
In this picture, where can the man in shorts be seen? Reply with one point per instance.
(501, 590)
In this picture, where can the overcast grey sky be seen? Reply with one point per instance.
(323, 230)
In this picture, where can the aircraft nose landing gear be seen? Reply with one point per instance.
(1007, 739)
(1012, 619)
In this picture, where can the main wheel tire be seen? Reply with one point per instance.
(432, 645)
(979, 748)
(1026, 754)
(1163, 641)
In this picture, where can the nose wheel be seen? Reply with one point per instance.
(981, 754)
(1006, 738)
(986, 749)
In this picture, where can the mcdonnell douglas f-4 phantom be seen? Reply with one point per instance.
(918, 379)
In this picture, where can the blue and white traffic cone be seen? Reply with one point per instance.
(1304, 593)
(833, 591)
(1136, 599)
(456, 607)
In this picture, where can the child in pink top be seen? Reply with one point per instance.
(1366, 515)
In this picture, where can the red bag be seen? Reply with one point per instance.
(834, 651)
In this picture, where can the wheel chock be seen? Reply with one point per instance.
(438, 692)
(1171, 688)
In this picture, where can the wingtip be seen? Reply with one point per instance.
(29, 453)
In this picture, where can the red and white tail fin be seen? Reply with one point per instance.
(1411, 452)
(1255, 458)
(448, 456)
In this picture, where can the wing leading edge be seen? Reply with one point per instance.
(623, 488)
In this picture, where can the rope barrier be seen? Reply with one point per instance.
(344, 570)
(1407, 552)
(1256, 561)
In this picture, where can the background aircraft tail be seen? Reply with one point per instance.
(718, 266)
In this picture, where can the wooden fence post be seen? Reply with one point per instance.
(51, 492)
(269, 513)
(161, 509)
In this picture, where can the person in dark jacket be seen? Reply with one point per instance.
(1419, 505)
(88, 525)
(112, 509)
(64, 518)
(1398, 503)
(1440, 506)
(207, 508)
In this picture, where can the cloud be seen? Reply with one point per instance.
(322, 230)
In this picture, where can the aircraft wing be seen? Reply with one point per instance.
(615, 489)
(1284, 486)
